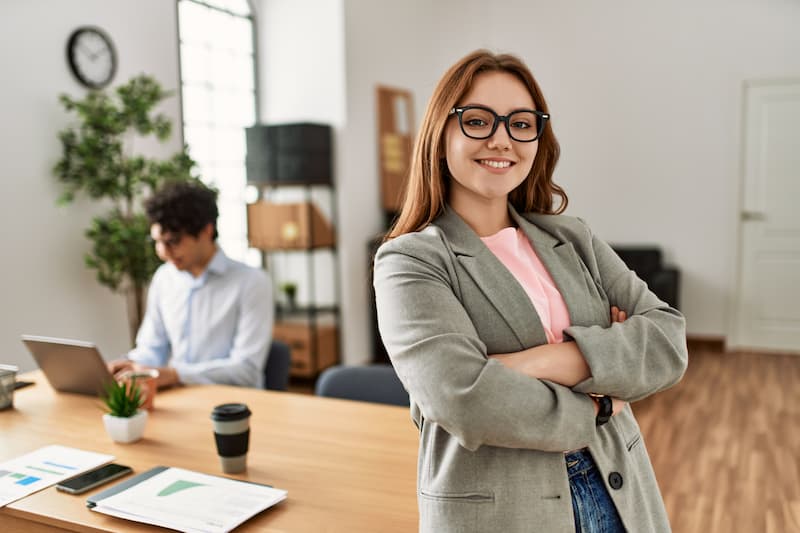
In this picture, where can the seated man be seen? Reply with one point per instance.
(208, 318)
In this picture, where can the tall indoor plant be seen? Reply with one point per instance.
(98, 159)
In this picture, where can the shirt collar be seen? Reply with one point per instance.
(219, 263)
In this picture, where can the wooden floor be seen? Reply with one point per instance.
(725, 443)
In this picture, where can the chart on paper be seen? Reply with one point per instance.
(44, 467)
(190, 501)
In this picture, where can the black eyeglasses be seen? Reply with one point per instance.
(479, 122)
(171, 242)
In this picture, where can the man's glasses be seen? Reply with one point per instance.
(171, 242)
(479, 122)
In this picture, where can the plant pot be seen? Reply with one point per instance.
(125, 430)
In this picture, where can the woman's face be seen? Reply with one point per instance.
(488, 169)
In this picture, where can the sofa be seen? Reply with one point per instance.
(646, 261)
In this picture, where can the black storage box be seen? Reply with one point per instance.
(289, 154)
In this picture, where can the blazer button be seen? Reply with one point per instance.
(615, 480)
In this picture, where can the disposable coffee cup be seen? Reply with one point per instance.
(8, 375)
(232, 434)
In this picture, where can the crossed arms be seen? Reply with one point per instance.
(480, 400)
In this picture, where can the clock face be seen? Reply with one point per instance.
(92, 57)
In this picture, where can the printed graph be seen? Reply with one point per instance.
(179, 485)
(17, 478)
(43, 467)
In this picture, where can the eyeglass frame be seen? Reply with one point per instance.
(173, 242)
(543, 118)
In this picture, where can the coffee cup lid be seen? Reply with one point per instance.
(228, 412)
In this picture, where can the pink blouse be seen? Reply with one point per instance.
(512, 247)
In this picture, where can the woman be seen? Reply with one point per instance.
(516, 332)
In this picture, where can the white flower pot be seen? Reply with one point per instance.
(125, 430)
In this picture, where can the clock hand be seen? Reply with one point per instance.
(87, 51)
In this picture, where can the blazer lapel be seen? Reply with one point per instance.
(565, 267)
(496, 283)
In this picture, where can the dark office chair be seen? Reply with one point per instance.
(372, 383)
(276, 372)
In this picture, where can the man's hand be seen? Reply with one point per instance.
(167, 376)
(119, 366)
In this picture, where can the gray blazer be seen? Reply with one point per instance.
(492, 439)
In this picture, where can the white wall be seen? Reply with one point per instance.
(319, 63)
(301, 59)
(646, 100)
(386, 44)
(46, 289)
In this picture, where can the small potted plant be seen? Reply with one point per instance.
(125, 419)
(289, 288)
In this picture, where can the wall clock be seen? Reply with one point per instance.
(92, 57)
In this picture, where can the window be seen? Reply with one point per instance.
(218, 88)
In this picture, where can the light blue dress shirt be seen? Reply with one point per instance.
(215, 328)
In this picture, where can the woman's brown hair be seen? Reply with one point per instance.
(426, 188)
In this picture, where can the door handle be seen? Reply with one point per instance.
(753, 216)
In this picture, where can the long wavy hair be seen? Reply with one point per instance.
(428, 182)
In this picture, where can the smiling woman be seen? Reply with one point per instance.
(520, 337)
(487, 162)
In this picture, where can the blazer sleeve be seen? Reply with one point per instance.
(645, 354)
(443, 364)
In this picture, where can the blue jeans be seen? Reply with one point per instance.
(592, 506)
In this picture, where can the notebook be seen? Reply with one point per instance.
(186, 500)
(70, 365)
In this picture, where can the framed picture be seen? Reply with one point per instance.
(395, 139)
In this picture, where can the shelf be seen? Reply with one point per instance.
(283, 222)
(314, 346)
(323, 182)
(288, 226)
(282, 310)
(330, 247)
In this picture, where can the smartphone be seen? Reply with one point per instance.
(93, 478)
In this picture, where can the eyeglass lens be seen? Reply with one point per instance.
(170, 242)
(479, 123)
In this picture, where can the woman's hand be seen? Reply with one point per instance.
(561, 363)
(617, 406)
(617, 315)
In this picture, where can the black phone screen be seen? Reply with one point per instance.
(94, 478)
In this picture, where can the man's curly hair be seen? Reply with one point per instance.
(184, 207)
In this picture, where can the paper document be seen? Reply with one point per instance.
(42, 468)
(190, 501)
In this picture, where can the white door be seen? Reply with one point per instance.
(768, 296)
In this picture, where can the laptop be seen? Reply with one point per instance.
(70, 365)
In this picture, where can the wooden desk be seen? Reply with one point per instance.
(348, 466)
